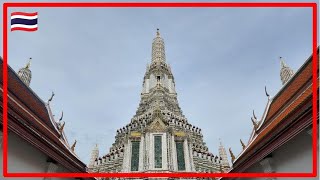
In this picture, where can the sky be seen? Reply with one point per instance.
(222, 58)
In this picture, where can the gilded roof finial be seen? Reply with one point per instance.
(158, 33)
(232, 155)
(73, 145)
(242, 144)
(61, 127)
(255, 125)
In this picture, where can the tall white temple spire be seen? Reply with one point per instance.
(94, 156)
(286, 72)
(158, 50)
(223, 154)
(25, 73)
(159, 137)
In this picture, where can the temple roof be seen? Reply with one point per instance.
(281, 110)
(31, 118)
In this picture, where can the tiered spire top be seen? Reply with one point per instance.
(25, 73)
(286, 72)
(158, 50)
(223, 155)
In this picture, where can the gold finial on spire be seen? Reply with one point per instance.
(158, 33)
(61, 127)
(73, 145)
(232, 155)
(29, 63)
(242, 144)
(255, 125)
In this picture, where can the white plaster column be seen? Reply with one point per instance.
(141, 153)
(164, 152)
(150, 149)
(191, 158)
(126, 157)
(186, 155)
(267, 167)
(52, 167)
(174, 154)
(146, 153)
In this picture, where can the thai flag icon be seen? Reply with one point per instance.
(24, 21)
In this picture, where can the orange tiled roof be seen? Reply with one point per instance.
(286, 101)
(288, 92)
(307, 93)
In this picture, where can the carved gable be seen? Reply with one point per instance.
(157, 126)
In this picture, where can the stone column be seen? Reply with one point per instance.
(164, 152)
(126, 157)
(150, 158)
(141, 153)
(186, 155)
(268, 167)
(191, 158)
(174, 154)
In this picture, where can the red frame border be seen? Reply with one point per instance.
(313, 6)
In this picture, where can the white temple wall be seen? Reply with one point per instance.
(294, 156)
(23, 157)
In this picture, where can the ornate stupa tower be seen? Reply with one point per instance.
(158, 138)
(94, 156)
(286, 72)
(225, 166)
(25, 73)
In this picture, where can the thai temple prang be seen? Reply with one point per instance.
(159, 137)
(25, 74)
(286, 72)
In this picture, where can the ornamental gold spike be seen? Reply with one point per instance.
(61, 128)
(255, 125)
(232, 155)
(73, 145)
(242, 144)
